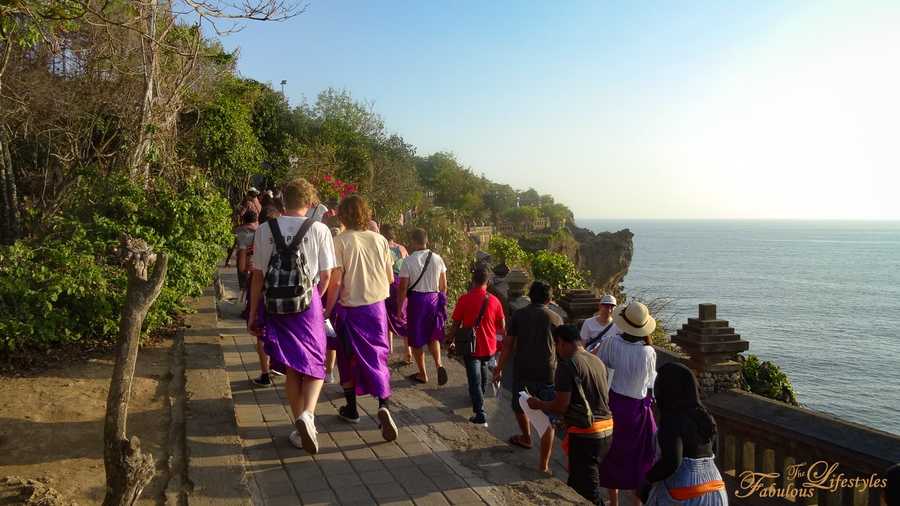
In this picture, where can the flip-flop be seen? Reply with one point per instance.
(517, 441)
(415, 378)
(442, 376)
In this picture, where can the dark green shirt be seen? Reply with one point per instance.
(590, 372)
(535, 354)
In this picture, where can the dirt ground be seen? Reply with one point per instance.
(51, 423)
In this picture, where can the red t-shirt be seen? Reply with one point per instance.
(466, 311)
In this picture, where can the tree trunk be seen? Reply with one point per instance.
(10, 225)
(140, 166)
(128, 470)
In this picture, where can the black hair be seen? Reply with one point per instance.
(567, 333)
(388, 231)
(267, 213)
(249, 216)
(539, 292)
(501, 270)
(480, 276)
(892, 489)
(678, 394)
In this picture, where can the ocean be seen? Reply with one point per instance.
(819, 298)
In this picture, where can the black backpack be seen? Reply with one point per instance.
(289, 287)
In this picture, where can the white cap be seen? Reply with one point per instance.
(253, 190)
(608, 299)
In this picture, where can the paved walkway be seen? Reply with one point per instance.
(438, 457)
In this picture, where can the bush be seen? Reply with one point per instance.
(66, 286)
(507, 250)
(767, 379)
(557, 270)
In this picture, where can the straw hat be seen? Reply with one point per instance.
(634, 319)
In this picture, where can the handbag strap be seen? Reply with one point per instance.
(484, 305)
(424, 268)
(599, 336)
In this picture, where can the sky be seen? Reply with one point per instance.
(641, 110)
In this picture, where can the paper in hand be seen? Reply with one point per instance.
(535, 417)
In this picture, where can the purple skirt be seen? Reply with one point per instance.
(362, 349)
(633, 448)
(296, 341)
(396, 324)
(427, 314)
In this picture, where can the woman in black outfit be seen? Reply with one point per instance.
(686, 472)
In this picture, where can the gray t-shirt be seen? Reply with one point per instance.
(590, 371)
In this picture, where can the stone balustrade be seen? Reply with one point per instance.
(764, 444)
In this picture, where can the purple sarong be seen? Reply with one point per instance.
(633, 448)
(296, 341)
(362, 349)
(426, 316)
(397, 325)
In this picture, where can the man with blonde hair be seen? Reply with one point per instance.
(292, 263)
(361, 280)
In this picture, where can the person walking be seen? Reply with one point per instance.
(396, 313)
(361, 282)
(423, 282)
(633, 361)
(581, 400)
(529, 342)
(481, 315)
(243, 238)
(686, 472)
(293, 255)
(600, 326)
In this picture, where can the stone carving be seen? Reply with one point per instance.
(713, 348)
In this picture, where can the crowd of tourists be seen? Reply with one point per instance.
(329, 288)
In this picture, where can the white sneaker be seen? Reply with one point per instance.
(306, 429)
(388, 427)
(295, 440)
(273, 372)
(329, 378)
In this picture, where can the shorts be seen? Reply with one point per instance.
(541, 390)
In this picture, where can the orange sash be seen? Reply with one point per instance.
(688, 493)
(598, 426)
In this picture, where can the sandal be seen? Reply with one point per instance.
(442, 376)
(517, 441)
(415, 378)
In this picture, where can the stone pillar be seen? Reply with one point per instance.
(713, 348)
(579, 305)
(517, 280)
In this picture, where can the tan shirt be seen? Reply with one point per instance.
(368, 267)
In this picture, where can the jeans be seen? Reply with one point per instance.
(585, 454)
(477, 373)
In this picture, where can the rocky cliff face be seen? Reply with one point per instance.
(606, 255)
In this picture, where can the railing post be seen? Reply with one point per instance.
(713, 348)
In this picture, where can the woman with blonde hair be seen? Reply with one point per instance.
(360, 283)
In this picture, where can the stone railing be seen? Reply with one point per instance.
(770, 452)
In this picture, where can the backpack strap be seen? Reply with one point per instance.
(599, 336)
(276, 235)
(304, 228)
(484, 306)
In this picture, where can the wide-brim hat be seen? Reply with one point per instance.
(634, 319)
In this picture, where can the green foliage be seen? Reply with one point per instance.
(557, 270)
(67, 287)
(522, 216)
(507, 250)
(225, 140)
(767, 379)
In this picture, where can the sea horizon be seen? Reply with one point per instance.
(816, 297)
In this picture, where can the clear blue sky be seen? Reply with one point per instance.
(623, 109)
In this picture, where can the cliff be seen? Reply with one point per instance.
(606, 255)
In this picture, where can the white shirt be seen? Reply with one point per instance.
(317, 245)
(412, 267)
(634, 365)
(591, 327)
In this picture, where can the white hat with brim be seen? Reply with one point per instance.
(608, 300)
(634, 319)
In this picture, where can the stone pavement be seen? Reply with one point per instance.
(438, 457)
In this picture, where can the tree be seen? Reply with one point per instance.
(128, 470)
(506, 250)
(522, 216)
(557, 270)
